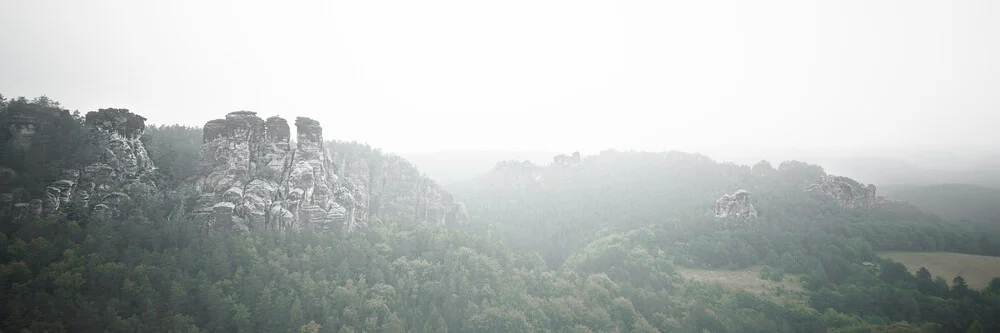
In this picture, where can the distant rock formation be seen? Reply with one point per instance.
(566, 160)
(846, 192)
(251, 178)
(736, 206)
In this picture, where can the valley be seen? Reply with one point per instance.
(242, 225)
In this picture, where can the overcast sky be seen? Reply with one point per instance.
(417, 76)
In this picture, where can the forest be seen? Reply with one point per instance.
(586, 244)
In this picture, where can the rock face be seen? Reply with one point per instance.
(846, 192)
(252, 179)
(121, 161)
(735, 206)
(250, 175)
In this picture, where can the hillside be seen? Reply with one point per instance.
(449, 167)
(112, 226)
(564, 205)
(963, 203)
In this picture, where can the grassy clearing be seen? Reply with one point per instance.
(975, 269)
(788, 290)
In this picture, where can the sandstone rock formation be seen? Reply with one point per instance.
(846, 192)
(121, 161)
(566, 160)
(252, 175)
(252, 178)
(735, 206)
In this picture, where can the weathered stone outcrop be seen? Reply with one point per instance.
(121, 160)
(846, 192)
(735, 206)
(251, 178)
(566, 160)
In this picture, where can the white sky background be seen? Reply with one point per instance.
(540, 75)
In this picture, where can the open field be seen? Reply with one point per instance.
(788, 290)
(976, 270)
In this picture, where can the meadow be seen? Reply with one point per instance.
(977, 270)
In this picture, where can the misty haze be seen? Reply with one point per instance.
(516, 166)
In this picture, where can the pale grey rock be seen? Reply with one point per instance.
(735, 206)
(847, 192)
(122, 162)
(251, 164)
(65, 187)
(50, 199)
(566, 160)
(276, 144)
(121, 130)
(233, 194)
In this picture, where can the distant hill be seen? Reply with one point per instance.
(875, 167)
(956, 202)
(556, 208)
(448, 167)
(890, 171)
(887, 168)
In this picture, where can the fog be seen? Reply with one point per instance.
(500, 166)
(727, 78)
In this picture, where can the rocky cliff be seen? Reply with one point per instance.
(252, 178)
(736, 209)
(117, 160)
(846, 192)
(252, 173)
(122, 160)
(736, 205)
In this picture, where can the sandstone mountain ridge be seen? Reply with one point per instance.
(250, 173)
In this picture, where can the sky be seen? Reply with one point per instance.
(540, 75)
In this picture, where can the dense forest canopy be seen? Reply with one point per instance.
(585, 244)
